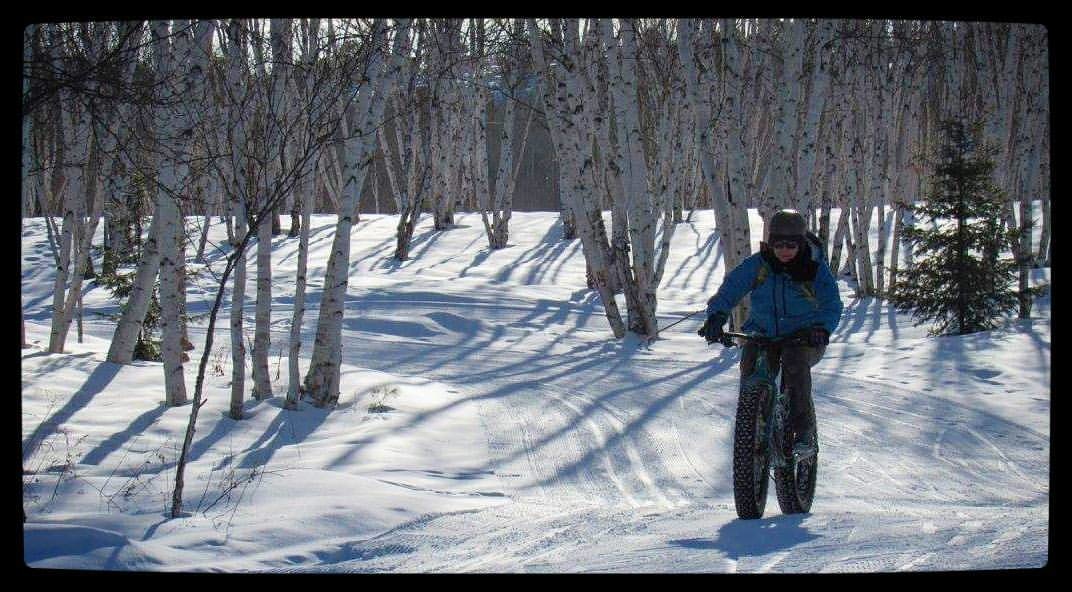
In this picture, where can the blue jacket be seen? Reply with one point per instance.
(780, 305)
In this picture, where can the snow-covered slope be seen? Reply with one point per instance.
(490, 422)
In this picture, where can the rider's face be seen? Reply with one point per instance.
(785, 251)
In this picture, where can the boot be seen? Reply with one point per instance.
(805, 444)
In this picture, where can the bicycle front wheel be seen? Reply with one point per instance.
(751, 453)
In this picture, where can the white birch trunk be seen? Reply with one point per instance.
(732, 224)
(88, 148)
(267, 144)
(739, 183)
(237, 317)
(121, 349)
(1029, 155)
(906, 101)
(78, 235)
(570, 141)
(642, 216)
(237, 177)
(864, 162)
(262, 383)
(172, 174)
(294, 387)
(168, 126)
(783, 189)
(500, 204)
(306, 193)
(322, 379)
(403, 146)
(485, 192)
(880, 181)
(67, 136)
(59, 291)
(817, 98)
(671, 165)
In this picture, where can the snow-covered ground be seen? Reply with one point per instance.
(489, 422)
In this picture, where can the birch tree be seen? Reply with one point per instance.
(265, 142)
(235, 177)
(739, 178)
(82, 189)
(174, 126)
(905, 101)
(445, 116)
(782, 187)
(380, 74)
(1028, 156)
(405, 143)
(572, 138)
(303, 91)
(729, 206)
(862, 158)
(630, 164)
(819, 37)
(668, 147)
(271, 141)
(86, 144)
(496, 199)
(304, 132)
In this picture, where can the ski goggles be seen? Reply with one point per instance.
(784, 243)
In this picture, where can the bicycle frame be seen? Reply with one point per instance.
(761, 374)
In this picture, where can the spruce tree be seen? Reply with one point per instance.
(962, 278)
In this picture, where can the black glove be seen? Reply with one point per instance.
(818, 336)
(712, 327)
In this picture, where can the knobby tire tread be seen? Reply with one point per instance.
(750, 489)
(795, 496)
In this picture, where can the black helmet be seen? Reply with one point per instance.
(787, 223)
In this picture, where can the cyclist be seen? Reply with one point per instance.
(793, 292)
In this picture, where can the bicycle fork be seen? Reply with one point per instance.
(776, 429)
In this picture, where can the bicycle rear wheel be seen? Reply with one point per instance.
(795, 483)
(751, 454)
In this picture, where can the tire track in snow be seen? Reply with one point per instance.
(913, 397)
(685, 455)
(606, 457)
(641, 451)
(654, 454)
(504, 538)
(1009, 463)
(553, 453)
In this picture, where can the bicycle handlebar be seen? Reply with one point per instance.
(727, 338)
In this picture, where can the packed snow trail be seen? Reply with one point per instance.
(597, 432)
(588, 444)
(602, 455)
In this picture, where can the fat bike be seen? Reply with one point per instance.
(763, 440)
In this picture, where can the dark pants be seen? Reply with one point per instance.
(796, 361)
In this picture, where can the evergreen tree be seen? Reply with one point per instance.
(120, 284)
(962, 279)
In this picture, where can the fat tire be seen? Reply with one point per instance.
(795, 483)
(751, 456)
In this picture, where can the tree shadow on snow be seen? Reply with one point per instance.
(705, 259)
(95, 383)
(866, 313)
(115, 441)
